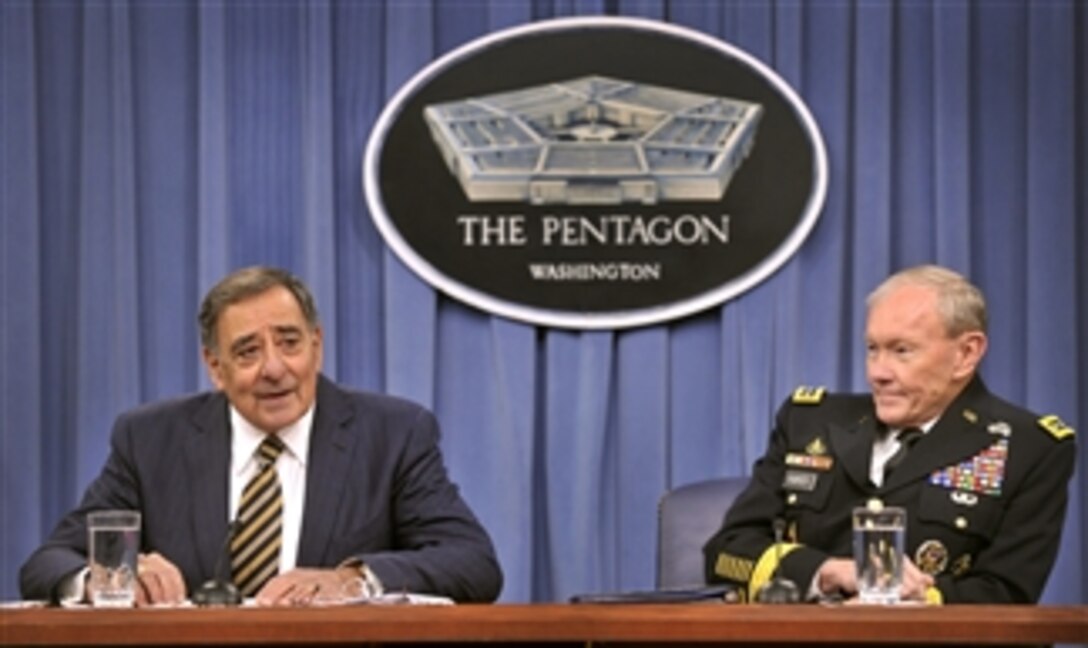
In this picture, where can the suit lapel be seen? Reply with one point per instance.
(331, 445)
(207, 460)
(957, 435)
(853, 446)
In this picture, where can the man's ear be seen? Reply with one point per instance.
(970, 347)
(319, 345)
(214, 367)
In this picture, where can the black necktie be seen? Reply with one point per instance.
(907, 437)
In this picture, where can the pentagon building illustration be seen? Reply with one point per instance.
(594, 140)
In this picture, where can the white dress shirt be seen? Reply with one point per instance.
(290, 466)
(887, 445)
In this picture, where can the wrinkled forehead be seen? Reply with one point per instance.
(904, 308)
(274, 310)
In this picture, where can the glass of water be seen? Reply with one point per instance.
(878, 552)
(113, 550)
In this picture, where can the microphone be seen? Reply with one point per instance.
(219, 592)
(779, 589)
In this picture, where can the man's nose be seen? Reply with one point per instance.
(274, 366)
(877, 368)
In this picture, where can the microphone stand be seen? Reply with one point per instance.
(219, 591)
(779, 589)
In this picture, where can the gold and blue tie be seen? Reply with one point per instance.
(255, 547)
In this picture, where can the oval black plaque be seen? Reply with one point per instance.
(595, 172)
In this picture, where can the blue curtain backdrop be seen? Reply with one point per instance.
(147, 148)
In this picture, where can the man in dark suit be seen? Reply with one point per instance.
(362, 499)
(984, 483)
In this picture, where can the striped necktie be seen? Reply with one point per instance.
(255, 548)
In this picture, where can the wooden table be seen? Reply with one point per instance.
(576, 625)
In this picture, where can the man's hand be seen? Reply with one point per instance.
(915, 582)
(837, 576)
(308, 587)
(159, 581)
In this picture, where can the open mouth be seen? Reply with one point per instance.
(274, 398)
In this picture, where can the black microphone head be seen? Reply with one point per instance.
(779, 526)
(217, 593)
(779, 589)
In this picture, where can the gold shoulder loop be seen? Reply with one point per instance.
(1056, 427)
(805, 395)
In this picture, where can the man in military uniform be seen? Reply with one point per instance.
(983, 481)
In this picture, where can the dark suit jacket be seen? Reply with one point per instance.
(376, 489)
(984, 490)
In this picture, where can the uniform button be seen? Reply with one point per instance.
(791, 498)
(961, 522)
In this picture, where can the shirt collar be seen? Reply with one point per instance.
(245, 438)
(925, 428)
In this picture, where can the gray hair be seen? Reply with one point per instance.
(960, 303)
(243, 284)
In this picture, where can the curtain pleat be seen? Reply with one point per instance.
(24, 497)
(359, 86)
(149, 148)
(1051, 381)
(577, 389)
(213, 215)
(951, 114)
(318, 237)
(638, 420)
(105, 290)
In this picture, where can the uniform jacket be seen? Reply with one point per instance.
(376, 489)
(984, 490)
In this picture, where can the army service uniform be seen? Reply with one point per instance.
(984, 490)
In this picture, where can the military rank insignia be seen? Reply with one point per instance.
(805, 395)
(1054, 425)
(982, 473)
